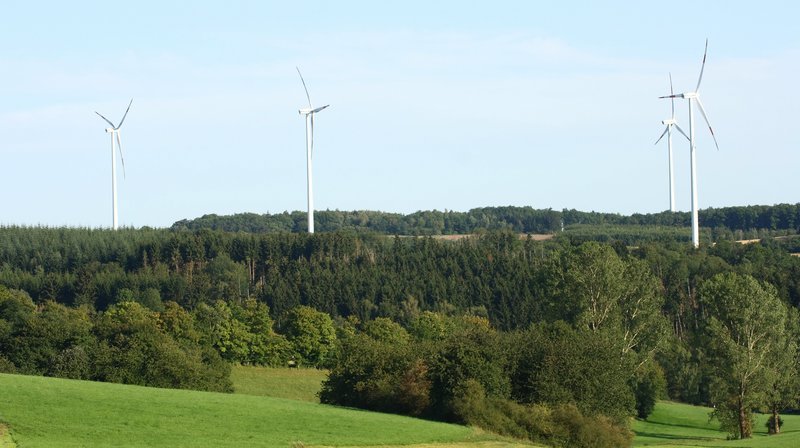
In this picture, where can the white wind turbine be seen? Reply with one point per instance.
(669, 123)
(309, 114)
(115, 141)
(694, 96)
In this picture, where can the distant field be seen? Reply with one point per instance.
(49, 412)
(682, 425)
(294, 384)
(522, 236)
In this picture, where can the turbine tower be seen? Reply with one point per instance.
(669, 123)
(115, 142)
(694, 97)
(309, 114)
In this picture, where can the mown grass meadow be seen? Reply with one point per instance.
(50, 412)
(683, 425)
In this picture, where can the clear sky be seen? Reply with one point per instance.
(434, 105)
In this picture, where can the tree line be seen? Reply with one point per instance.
(727, 222)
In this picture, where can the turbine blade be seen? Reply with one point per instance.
(681, 131)
(702, 67)
(106, 119)
(119, 145)
(669, 96)
(705, 117)
(305, 88)
(662, 135)
(126, 114)
(672, 92)
(319, 109)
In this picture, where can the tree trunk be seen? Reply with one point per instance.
(776, 427)
(744, 422)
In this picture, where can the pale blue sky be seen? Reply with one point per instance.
(433, 106)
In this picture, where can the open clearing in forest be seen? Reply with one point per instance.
(683, 425)
(52, 412)
(293, 384)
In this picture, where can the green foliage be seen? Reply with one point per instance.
(467, 374)
(125, 344)
(560, 426)
(133, 349)
(649, 386)
(728, 222)
(386, 330)
(379, 375)
(557, 365)
(747, 332)
(597, 290)
(471, 350)
(312, 335)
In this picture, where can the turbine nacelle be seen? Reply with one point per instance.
(110, 130)
(669, 121)
(310, 111)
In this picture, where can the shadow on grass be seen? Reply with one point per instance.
(673, 425)
(659, 435)
(671, 432)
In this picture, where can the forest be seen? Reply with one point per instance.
(546, 340)
(728, 222)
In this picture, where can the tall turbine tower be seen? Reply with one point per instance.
(694, 97)
(115, 140)
(309, 114)
(669, 123)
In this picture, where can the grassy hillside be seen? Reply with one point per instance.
(681, 425)
(48, 412)
(294, 384)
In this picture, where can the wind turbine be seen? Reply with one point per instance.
(693, 97)
(669, 123)
(309, 114)
(115, 141)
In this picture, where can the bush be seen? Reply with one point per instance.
(132, 348)
(560, 365)
(562, 426)
(649, 385)
(371, 374)
(574, 430)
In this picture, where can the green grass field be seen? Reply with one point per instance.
(681, 425)
(49, 412)
(294, 384)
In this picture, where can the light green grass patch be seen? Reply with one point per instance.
(294, 384)
(49, 412)
(5, 437)
(682, 425)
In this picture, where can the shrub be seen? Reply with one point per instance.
(575, 430)
(562, 426)
(7, 366)
(649, 385)
(377, 375)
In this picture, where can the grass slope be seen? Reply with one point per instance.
(48, 412)
(682, 425)
(294, 384)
